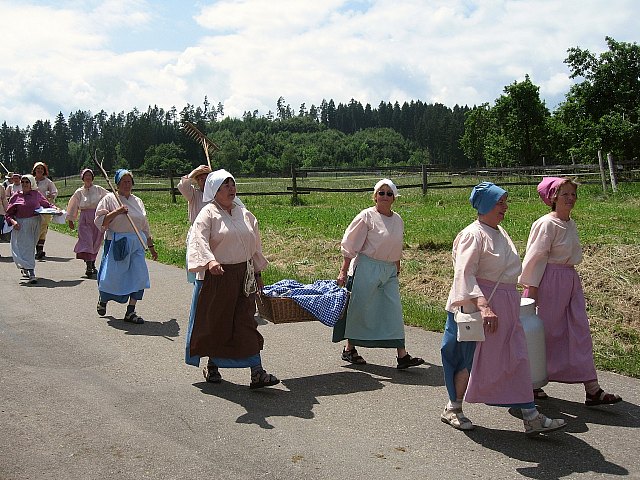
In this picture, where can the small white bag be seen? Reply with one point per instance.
(471, 325)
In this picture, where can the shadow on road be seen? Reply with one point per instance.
(298, 401)
(56, 259)
(559, 455)
(427, 375)
(47, 283)
(168, 329)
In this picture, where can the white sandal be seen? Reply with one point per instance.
(456, 419)
(542, 424)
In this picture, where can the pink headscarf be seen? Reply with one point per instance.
(85, 170)
(548, 188)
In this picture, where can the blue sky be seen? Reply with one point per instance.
(115, 55)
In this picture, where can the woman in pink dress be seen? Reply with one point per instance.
(85, 200)
(495, 372)
(550, 278)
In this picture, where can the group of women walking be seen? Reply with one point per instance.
(487, 269)
(224, 261)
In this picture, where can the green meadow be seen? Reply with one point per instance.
(303, 242)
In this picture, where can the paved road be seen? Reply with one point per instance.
(84, 397)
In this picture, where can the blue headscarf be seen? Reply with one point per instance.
(484, 197)
(121, 173)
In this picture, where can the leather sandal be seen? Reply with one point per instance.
(352, 356)
(601, 398)
(456, 419)
(263, 379)
(409, 361)
(539, 394)
(133, 318)
(212, 374)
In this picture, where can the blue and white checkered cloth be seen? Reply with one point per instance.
(324, 299)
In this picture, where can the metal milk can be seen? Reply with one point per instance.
(534, 332)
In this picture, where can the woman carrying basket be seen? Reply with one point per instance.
(371, 249)
(225, 250)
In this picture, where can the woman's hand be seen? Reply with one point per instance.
(489, 318)
(342, 278)
(215, 268)
(259, 283)
(122, 209)
(71, 225)
(16, 226)
(154, 254)
(532, 292)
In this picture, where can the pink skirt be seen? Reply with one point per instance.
(500, 373)
(562, 309)
(89, 236)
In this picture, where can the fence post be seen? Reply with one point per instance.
(425, 179)
(173, 191)
(602, 175)
(612, 173)
(294, 186)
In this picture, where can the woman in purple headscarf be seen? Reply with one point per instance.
(85, 200)
(549, 275)
(496, 371)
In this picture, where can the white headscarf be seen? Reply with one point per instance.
(213, 183)
(389, 183)
(32, 180)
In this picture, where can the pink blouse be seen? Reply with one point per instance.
(121, 224)
(224, 238)
(551, 240)
(84, 198)
(193, 196)
(375, 235)
(480, 251)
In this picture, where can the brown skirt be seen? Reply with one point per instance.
(224, 324)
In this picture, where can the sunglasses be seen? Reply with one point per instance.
(382, 194)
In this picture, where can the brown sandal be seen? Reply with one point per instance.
(601, 398)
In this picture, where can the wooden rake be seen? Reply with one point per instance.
(207, 145)
(117, 195)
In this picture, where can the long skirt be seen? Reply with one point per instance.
(224, 326)
(500, 374)
(456, 356)
(562, 309)
(251, 361)
(125, 277)
(23, 242)
(374, 314)
(89, 236)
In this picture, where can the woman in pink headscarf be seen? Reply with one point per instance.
(85, 200)
(549, 275)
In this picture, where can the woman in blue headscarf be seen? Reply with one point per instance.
(123, 274)
(486, 270)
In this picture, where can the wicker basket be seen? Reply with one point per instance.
(282, 310)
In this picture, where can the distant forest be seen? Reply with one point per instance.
(600, 112)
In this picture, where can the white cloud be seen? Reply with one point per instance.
(246, 53)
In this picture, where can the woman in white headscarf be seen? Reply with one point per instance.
(26, 225)
(371, 249)
(226, 253)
